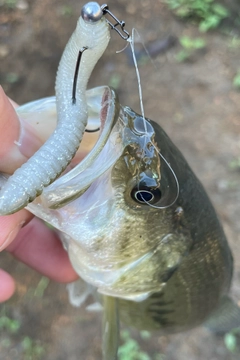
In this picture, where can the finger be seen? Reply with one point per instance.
(21, 137)
(39, 247)
(7, 286)
(17, 141)
(10, 225)
(14, 104)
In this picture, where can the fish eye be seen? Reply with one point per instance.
(144, 194)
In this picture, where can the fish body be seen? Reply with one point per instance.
(198, 266)
(165, 259)
(169, 266)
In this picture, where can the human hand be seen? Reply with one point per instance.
(23, 235)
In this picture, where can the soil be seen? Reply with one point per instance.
(194, 101)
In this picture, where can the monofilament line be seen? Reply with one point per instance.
(131, 41)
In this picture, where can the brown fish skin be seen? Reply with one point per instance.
(201, 273)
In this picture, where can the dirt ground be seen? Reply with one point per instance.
(194, 101)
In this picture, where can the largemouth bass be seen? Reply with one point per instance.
(136, 222)
(138, 226)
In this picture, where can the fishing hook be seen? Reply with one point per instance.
(76, 74)
(92, 131)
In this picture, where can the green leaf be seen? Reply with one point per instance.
(235, 164)
(41, 287)
(145, 335)
(208, 13)
(230, 342)
(27, 343)
(210, 23)
(183, 11)
(182, 55)
(143, 356)
(125, 334)
(236, 81)
(8, 324)
(220, 10)
(188, 43)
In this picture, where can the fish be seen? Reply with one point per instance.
(141, 229)
(138, 226)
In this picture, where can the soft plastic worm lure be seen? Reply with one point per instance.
(92, 34)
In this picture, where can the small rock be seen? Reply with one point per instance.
(4, 51)
(22, 5)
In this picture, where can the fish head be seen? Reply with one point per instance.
(141, 175)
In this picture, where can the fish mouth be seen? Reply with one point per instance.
(103, 107)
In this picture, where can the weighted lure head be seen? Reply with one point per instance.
(91, 12)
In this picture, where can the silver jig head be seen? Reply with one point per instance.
(91, 12)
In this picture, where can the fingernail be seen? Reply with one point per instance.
(28, 142)
(11, 236)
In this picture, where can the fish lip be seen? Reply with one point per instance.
(137, 297)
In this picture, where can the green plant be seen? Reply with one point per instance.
(130, 349)
(9, 325)
(115, 81)
(66, 10)
(32, 349)
(11, 4)
(189, 43)
(189, 46)
(207, 13)
(235, 164)
(145, 335)
(160, 357)
(236, 80)
(41, 287)
(234, 42)
(230, 339)
(12, 78)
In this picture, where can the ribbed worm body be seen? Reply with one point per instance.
(53, 157)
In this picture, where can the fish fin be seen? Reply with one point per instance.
(110, 328)
(78, 292)
(95, 307)
(225, 318)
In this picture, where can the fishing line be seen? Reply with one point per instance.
(125, 47)
(145, 49)
(175, 178)
(131, 41)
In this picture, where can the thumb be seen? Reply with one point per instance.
(18, 141)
